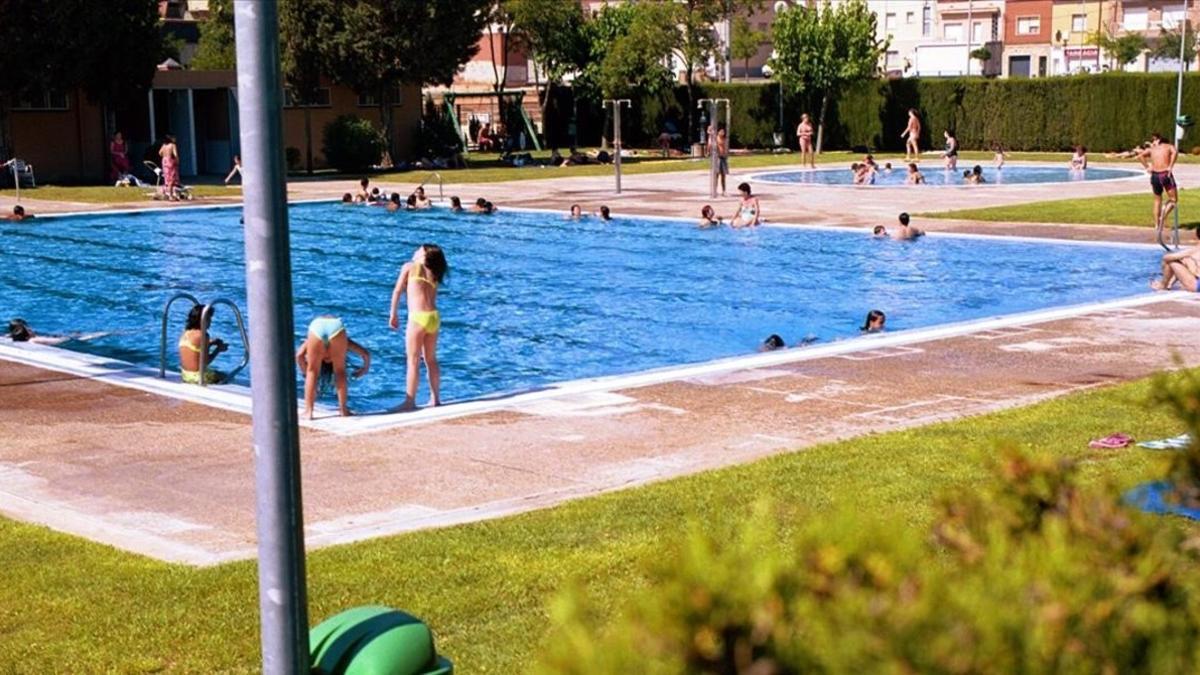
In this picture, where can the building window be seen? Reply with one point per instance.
(372, 101)
(1079, 23)
(1136, 19)
(953, 32)
(892, 61)
(927, 21)
(320, 99)
(977, 34)
(889, 21)
(909, 17)
(42, 100)
(996, 28)
(1029, 25)
(1172, 17)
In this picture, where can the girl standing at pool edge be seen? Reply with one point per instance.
(420, 279)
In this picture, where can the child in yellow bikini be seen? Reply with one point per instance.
(189, 349)
(420, 279)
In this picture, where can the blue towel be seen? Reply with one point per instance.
(1151, 498)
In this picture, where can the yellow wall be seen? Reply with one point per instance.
(1063, 10)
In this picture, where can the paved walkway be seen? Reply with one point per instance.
(174, 480)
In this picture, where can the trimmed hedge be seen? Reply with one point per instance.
(1111, 111)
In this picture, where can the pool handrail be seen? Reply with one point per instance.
(441, 193)
(162, 350)
(205, 317)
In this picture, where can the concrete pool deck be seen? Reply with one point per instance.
(174, 480)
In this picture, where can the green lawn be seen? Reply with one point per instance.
(68, 605)
(1134, 210)
(107, 194)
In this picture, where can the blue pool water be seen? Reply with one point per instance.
(532, 298)
(935, 174)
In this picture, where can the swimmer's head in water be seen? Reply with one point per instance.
(456, 203)
(707, 212)
(772, 343)
(605, 213)
(912, 168)
(967, 173)
(19, 210)
(395, 198)
(874, 322)
(744, 188)
(435, 261)
(481, 202)
(19, 331)
(879, 231)
(904, 219)
(977, 170)
(576, 210)
(412, 200)
(194, 316)
(347, 198)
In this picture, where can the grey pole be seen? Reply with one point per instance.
(1178, 112)
(712, 141)
(281, 587)
(616, 104)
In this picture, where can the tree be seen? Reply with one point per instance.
(698, 42)
(1122, 50)
(216, 49)
(301, 26)
(112, 60)
(1168, 46)
(374, 45)
(746, 42)
(825, 49)
(553, 32)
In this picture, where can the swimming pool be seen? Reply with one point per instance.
(935, 174)
(533, 299)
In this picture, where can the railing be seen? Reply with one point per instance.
(205, 318)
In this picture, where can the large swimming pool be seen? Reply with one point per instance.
(936, 175)
(532, 298)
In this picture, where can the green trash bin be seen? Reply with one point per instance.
(374, 640)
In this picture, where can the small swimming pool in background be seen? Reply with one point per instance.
(533, 299)
(936, 174)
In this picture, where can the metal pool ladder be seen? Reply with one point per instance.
(204, 319)
(434, 174)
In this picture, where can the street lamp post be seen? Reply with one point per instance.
(1178, 112)
(282, 602)
(617, 104)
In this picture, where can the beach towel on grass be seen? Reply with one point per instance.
(1151, 498)
(1177, 443)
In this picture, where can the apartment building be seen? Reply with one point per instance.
(1028, 29)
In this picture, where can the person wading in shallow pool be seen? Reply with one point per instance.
(189, 349)
(322, 356)
(419, 280)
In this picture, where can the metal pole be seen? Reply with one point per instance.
(970, 32)
(712, 141)
(1178, 112)
(616, 104)
(281, 586)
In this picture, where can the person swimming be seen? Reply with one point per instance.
(874, 323)
(483, 206)
(347, 198)
(394, 203)
(456, 205)
(190, 349)
(879, 232)
(19, 330)
(749, 213)
(322, 357)
(419, 280)
(604, 213)
(905, 232)
(772, 343)
(915, 177)
(576, 212)
(709, 217)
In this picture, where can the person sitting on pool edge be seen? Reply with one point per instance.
(748, 213)
(322, 357)
(1182, 268)
(189, 349)
(904, 232)
(709, 217)
(874, 322)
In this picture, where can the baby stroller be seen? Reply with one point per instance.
(181, 191)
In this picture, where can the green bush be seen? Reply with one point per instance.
(352, 144)
(1034, 572)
